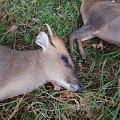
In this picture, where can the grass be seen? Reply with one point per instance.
(101, 77)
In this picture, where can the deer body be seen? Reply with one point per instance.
(24, 71)
(101, 19)
(20, 71)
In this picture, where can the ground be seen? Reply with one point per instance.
(20, 22)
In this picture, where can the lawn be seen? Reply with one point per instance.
(20, 23)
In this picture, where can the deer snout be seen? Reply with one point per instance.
(78, 86)
(76, 83)
(73, 84)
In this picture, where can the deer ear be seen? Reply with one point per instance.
(42, 40)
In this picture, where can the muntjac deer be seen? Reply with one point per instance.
(24, 71)
(101, 19)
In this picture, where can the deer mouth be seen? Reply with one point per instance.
(63, 84)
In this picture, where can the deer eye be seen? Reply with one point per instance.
(64, 59)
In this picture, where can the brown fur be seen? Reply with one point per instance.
(24, 71)
(86, 5)
(101, 19)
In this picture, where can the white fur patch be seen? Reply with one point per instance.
(70, 87)
(113, 1)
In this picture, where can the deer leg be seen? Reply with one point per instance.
(82, 52)
(84, 33)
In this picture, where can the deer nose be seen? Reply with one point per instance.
(80, 87)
